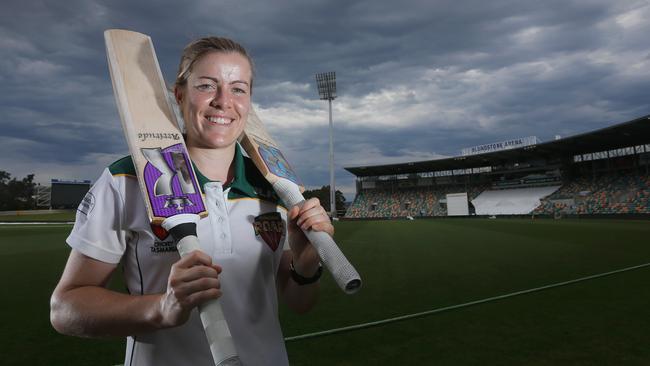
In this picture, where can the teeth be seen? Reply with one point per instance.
(220, 120)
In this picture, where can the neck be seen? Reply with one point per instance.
(214, 164)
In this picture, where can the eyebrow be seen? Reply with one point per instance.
(217, 80)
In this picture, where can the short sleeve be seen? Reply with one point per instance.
(98, 231)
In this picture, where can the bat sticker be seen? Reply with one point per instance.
(170, 182)
(276, 162)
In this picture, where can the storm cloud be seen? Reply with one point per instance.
(416, 80)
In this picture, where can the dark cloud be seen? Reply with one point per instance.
(416, 79)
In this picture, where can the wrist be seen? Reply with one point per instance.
(305, 269)
(154, 316)
(158, 314)
(306, 262)
(305, 279)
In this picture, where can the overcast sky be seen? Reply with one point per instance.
(416, 80)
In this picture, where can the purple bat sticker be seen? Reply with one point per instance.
(170, 182)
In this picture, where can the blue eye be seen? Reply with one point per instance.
(239, 91)
(206, 87)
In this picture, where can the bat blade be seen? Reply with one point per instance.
(163, 167)
(165, 174)
(268, 159)
(264, 151)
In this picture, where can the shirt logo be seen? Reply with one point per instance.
(270, 227)
(163, 247)
(159, 232)
(87, 204)
(160, 245)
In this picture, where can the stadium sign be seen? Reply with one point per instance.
(503, 145)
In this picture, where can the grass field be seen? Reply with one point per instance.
(26, 217)
(408, 267)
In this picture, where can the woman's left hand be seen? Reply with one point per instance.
(310, 216)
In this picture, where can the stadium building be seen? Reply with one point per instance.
(599, 173)
(67, 194)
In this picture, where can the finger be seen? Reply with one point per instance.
(194, 258)
(315, 222)
(181, 290)
(199, 298)
(309, 204)
(317, 212)
(195, 273)
(187, 289)
(293, 212)
(324, 226)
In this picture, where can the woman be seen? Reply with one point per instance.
(243, 265)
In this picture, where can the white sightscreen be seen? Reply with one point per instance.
(457, 204)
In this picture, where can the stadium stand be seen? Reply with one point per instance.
(627, 193)
(604, 172)
(405, 202)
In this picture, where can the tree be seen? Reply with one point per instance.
(16, 194)
(323, 195)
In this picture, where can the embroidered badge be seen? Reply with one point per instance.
(270, 227)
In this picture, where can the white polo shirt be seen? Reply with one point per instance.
(245, 233)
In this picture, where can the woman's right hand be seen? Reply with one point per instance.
(193, 280)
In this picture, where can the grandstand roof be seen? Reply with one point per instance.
(631, 133)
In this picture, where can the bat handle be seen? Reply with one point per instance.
(334, 260)
(183, 229)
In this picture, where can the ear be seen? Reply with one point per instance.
(178, 94)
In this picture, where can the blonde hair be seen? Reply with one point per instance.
(202, 46)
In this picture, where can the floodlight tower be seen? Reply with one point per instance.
(327, 91)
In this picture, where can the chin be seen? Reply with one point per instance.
(221, 144)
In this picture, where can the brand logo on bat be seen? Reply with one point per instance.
(144, 136)
(170, 182)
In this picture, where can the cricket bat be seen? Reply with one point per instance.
(268, 158)
(165, 174)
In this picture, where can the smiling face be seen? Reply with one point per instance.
(216, 99)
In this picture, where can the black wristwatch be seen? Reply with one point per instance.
(305, 280)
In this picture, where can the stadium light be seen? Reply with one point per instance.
(326, 82)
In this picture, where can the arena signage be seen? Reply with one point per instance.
(503, 145)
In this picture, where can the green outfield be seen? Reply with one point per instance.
(408, 267)
(26, 216)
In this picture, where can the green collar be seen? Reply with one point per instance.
(240, 183)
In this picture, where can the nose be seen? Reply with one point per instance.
(221, 99)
